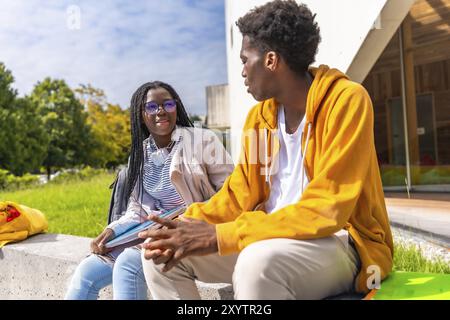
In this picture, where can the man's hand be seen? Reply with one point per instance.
(98, 244)
(180, 238)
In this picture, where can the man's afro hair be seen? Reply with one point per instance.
(285, 27)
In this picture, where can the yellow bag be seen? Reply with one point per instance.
(17, 222)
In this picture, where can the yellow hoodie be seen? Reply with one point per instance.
(344, 189)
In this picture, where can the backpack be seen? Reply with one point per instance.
(18, 222)
(118, 203)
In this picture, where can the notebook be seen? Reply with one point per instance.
(131, 235)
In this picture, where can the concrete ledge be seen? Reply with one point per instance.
(41, 267)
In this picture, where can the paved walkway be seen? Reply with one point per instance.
(439, 196)
(423, 215)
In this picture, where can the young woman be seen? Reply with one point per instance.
(167, 168)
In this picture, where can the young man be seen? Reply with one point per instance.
(311, 222)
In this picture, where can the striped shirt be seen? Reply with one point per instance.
(156, 179)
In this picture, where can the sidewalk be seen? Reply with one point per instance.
(422, 215)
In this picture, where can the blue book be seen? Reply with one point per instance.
(131, 235)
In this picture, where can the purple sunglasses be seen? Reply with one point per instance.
(168, 105)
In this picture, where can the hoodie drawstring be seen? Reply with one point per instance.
(302, 167)
(266, 156)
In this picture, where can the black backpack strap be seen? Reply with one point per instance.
(118, 203)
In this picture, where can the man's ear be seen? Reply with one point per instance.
(272, 60)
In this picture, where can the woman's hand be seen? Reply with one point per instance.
(98, 244)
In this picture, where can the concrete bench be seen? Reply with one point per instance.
(41, 267)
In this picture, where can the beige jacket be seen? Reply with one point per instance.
(199, 167)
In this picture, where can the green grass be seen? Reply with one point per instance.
(81, 208)
(77, 207)
(409, 258)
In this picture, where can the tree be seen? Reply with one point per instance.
(23, 140)
(195, 118)
(118, 134)
(30, 141)
(7, 93)
(7, 126)
(110, 128)
(65, 122)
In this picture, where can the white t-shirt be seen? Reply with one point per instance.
(286, 182)
(285, 188)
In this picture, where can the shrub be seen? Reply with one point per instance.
(85, 173)
(3, 178)
(11, 182)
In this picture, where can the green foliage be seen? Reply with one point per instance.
(23, 140)
(409, 258)
(85, 173)
(435, 175)
(24, 182)
(10, 182)
(7, 120)
(55, 129)
(4, 178)
(195, 118)
(393, 175)
(7, 93)
(396, 175)
(110, 128)
(28, 144)
(65, 121)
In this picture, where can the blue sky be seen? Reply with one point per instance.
(116, 45)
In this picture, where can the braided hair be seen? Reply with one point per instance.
(139, 131)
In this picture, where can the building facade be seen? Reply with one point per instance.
(217, 107)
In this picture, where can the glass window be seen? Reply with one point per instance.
(425, 43)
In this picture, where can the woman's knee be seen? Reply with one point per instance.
(129, 261)
(91, 274)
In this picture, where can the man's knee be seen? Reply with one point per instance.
(254, 263)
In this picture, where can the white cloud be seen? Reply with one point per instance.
(119, 46)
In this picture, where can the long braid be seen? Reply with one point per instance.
(139, 131)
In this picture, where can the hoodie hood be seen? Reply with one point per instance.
(324, 78)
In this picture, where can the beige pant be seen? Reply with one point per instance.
(268, 269)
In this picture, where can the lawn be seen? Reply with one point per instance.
(77, 207)
(408, 258)
(81, 208)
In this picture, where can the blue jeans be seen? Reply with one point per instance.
(94, 273)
